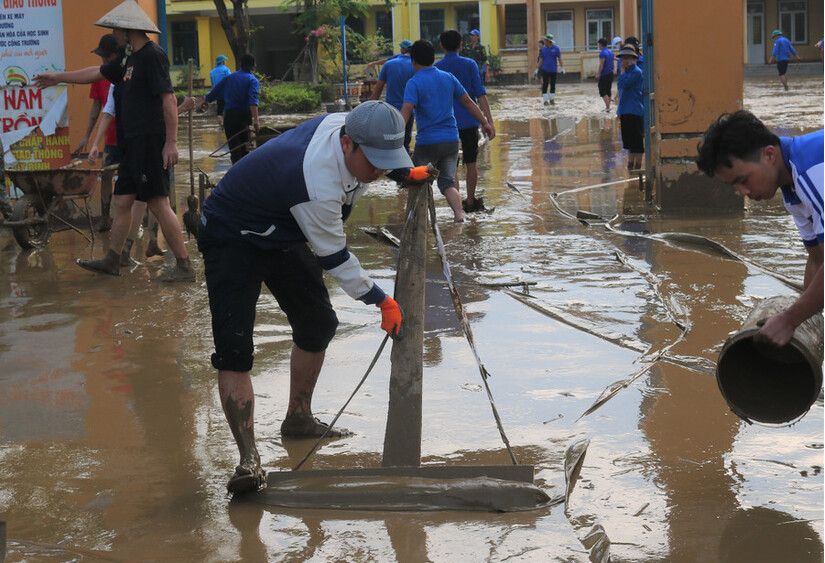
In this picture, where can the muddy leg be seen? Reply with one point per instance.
(238, 402)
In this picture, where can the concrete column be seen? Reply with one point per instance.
(533, 34)
(694, 82)
(204, 47)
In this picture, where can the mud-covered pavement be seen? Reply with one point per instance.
(113, 445)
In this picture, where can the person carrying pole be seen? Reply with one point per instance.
(150, 125)
(741, 151)
(298, 188)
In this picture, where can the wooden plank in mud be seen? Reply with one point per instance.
(402, 440)
(520, 473)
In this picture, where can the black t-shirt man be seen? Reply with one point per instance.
(142, 79)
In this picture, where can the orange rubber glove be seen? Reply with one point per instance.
(391, 317)
(419, 173)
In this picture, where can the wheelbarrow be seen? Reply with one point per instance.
(45, 191)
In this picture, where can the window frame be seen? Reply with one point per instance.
(600, 24)
(791, 33)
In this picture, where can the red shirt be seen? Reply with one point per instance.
(100, 91)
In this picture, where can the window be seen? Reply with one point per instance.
(184, 42)
(432, 24)
(793, 19)
(515, 25)
(560, 26)
(466, 19)
(599, 24)
(383, 25)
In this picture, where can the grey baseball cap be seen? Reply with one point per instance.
(378, 128)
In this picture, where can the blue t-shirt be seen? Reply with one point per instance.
(239, 90)
(219, 73)
(395, 73)
(432, 92)
(783, 49)
(630, 85)
(549, 58)
(804, 157)
(608, 57)
(466, 70)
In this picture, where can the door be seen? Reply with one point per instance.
(560, 26)
(756, 33)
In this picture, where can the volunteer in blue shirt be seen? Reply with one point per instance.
(240, 93)
(217, 74)
(631, 107)
(430, 93)
(466, 71)
(605, 73)
(781, 55)
(395, 74)
(739, 150)
(549, 65)
(256, 229)
(404, 48)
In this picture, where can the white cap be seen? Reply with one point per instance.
(617, 40)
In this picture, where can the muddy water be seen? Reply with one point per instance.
(113, 445)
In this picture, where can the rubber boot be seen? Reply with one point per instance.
(109, 264)
(544, 97)
(182, 272)
(552, 99)
(126, 260)
(152, 249)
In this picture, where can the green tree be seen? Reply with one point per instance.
(236, 28)
(313, 15)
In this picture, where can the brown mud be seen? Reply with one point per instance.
(114, 447)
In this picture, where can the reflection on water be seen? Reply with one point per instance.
(113, 444)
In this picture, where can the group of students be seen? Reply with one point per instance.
(448, 102)
(630, 83)
(299, 188)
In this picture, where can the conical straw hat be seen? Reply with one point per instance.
(128, 15)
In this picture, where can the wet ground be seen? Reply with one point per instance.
(113, 446)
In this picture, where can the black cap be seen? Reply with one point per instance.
(107, 46)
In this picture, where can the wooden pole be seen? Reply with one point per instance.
(402, 441)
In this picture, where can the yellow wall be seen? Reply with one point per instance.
(80, 36)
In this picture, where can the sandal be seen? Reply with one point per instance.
(248, 477)
(301, 426)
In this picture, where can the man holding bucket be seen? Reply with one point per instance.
(739, 150)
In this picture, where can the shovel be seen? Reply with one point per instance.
(192, 215)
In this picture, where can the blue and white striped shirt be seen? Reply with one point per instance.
(803, 156)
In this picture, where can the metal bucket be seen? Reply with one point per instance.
(766, 384)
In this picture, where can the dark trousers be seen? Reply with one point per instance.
(236, 124)
(545, 77)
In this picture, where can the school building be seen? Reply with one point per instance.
(510, 29)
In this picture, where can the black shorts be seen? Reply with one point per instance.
(141, 169)
(782, 67)
(112, 155)
(632, 132)
(469, 144)
(234, 273)
(605, 84)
